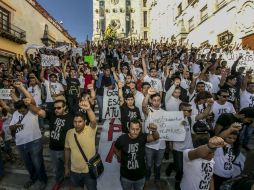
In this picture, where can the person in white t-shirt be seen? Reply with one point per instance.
(198, 163)
(151, 79)
(25, 126)
(221, 105)
(154, 150)
(53, 88)
(247, 100)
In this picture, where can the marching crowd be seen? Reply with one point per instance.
(217, 102)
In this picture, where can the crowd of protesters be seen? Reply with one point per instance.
(217, 102)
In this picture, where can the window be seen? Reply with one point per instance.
(4, 19)
(179, 9)
(145, 18)
(203, 13)
(191, 24)
(144, 3)
(145, 35)
(220, 3)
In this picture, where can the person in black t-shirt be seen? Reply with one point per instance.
(60, 121)
(130, 150)
(128, 109)
(73, 90)
(230, 87)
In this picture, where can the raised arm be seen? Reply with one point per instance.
(203, 150)
(85, 105)
(145, 109)
(120, 93)
(206, 112)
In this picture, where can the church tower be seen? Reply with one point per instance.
(127, 17)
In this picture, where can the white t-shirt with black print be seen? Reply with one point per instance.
(154, 82)
(197, 173)
(54, 88)
(29, 130)
(246, 99)
(218, 109)
(224, 162)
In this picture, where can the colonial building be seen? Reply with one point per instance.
(208, 21)
(26, 22)
(128, 17)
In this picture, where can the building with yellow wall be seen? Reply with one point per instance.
(26, 22)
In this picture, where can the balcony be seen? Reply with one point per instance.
(221, 4)
(12, 32)
(192, 2)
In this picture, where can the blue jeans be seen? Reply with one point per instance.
(57, 158)
(100, 105)
(83, 179)
(246, 134)
(154, 158)
(31, 154)
(129, 184)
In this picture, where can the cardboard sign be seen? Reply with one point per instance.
(63, 48)
(90, 60)
(76, 51)
(48, 60)
(169, 124)
(5, 94)
(111, 108)
(246, 61)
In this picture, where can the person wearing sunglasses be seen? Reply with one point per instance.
(222, 105)
(60, 121)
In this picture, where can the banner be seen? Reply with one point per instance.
(168, 124)
(111, 108)
(5, 94)
(110, 131)
(48, 60)
(76, 51)
(63, 48)
(90, 60)
(246, 61)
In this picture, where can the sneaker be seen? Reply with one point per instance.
(28, 184)
(56, 186)
(244, 146)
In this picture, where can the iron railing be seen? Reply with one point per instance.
(12, 32)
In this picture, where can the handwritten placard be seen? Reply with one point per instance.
(111, 108)
(246, 60)
(169, 124)
(5, 94)
(90, 60)
(76, 51)
(49, 60)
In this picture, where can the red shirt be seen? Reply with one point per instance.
(88, 80)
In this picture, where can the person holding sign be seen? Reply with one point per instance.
(130, 150)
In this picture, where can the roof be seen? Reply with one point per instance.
(52, 20)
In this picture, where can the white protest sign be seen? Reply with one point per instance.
(111, 108)
(5, 94)
(63, 48)
(48, 60)
(169, 124)
(76, 51)
(246, 61)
